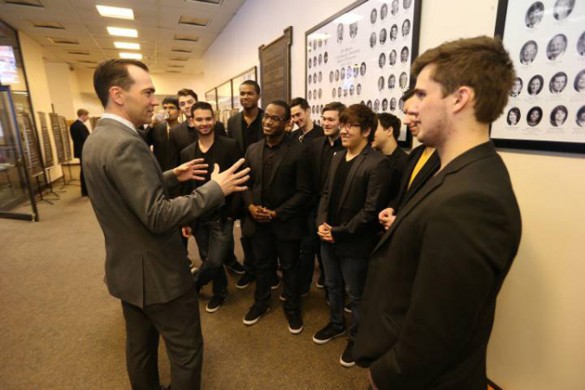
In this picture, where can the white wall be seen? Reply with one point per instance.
(538, 340)
(63, 89)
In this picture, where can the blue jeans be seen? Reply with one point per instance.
(352, 270)
(215, 242)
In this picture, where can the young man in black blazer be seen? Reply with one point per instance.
(158, 136)
(321, 151)
(429, 302)
(301, 116)
(213, 232)
(279, 190)
(79, 133)
(356, 190)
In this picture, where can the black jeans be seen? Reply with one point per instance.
(267, 248)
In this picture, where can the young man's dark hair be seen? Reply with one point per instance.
(113, 73)
(201, 106)
(82, 111)
(407, 94)
(299, 101)
(254, 84)
(390, 121)
(188, 92)
(171, 100)
(360, 115)
(286, 107)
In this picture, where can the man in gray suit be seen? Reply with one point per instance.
(146, 264)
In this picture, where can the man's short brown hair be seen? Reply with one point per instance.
(81, 112)
(480, 63)
(335, 106)
(111, 73)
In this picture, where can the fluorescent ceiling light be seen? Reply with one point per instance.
(133, 56)
(127, 45)
(115, 12)
(123, 32)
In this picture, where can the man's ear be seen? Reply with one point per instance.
(462, 97)
(116, 95)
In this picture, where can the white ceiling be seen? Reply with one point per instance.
(157, 22)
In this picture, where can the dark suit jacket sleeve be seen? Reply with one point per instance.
(142, 190)
(376, 198)
(324, 201)
(454, 284)
(302, 196)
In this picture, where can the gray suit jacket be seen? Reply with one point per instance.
(146, 262)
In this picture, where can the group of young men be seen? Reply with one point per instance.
(419, 244)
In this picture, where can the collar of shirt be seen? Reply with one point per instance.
(117, 118)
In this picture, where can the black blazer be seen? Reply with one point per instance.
(289, 186)
(427, 171)
(429, 300)
(236, 130)
(158, 138)
(315, 133)
(225, 153)
(79, 133)
(364, 195)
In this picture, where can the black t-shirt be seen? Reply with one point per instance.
(338, 183)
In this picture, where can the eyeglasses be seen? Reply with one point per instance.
(348, 126)
(272, 117)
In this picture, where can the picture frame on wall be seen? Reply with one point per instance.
(363, 54)
(211, 98)
(224, 101)
(546, 106)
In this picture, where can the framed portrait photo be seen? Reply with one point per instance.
(363, 54)
(546, 106)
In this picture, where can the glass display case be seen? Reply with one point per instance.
(15, 165)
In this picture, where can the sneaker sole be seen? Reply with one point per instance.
(346, 364)
(235, 271)
(213, 310)
(320, 285)
(252, 322)
(242, 286)
(321, 342)
(275, 287)
(295, 331)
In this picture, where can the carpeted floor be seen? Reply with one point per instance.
(59, 328)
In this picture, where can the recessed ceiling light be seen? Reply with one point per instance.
(123, 32)
(115, 12)
(127, 45)
(133, 56)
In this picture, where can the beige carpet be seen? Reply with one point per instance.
(59, 328)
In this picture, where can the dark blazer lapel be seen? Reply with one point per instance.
(477, 153)
(257, 153)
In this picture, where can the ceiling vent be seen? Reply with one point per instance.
(186, 38)
(26, 3)
(51, 25)
(79, 53)
(198, 22)
(187, 51)
(214, 2)
(62, 41)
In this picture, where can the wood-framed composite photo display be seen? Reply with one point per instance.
(546, 107)
(363, 54)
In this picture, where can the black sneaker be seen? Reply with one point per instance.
(282, 297)
(215, 303)
(347, 308)
(295, 323)
(254, 314)
(346, 359)
(236, 268)
(327, 334)
(321, 281)
(245, 281)
(275, 283)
